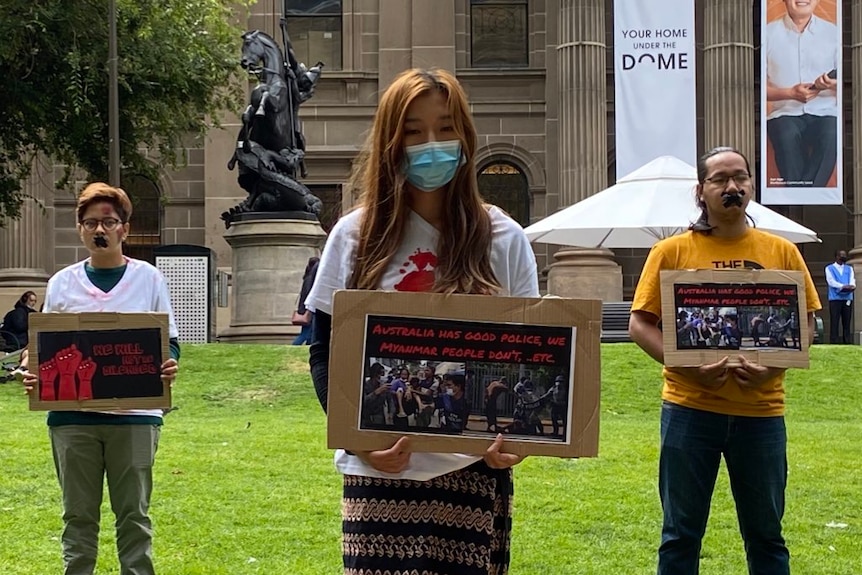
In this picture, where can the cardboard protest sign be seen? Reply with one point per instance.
(452, 371)
(99, 361)
(759, 314)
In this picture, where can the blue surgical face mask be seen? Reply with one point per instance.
(432, 165)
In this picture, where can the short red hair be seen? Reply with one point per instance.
(102, 192)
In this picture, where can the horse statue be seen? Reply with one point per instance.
(270, 146)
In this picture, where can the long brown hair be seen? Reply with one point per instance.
(464, 247)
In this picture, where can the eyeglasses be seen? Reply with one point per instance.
(722, 179)
(108, 224)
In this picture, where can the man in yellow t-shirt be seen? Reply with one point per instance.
(717, 409)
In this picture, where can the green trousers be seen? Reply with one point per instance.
(83, 456)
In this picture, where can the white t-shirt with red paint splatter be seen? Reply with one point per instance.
(142, 288)
(412, 269)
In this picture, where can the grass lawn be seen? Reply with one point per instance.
(245, 485)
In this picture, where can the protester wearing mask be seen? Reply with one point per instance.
(421, 225)
(842, 283)
(455, 409)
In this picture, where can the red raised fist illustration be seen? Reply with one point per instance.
(85, 378)
(47, 376)
(67, 360)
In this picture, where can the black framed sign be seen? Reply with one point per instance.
(98, 361)
(758, 314)
(432, 366)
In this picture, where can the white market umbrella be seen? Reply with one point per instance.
(655, 201)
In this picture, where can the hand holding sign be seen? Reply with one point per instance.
(392, 460)
(169, 371)
(751, 374)
(712, 375)
(497, 460)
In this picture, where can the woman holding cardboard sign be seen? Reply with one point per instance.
(717, 409)
(421, 205)
(121, 445)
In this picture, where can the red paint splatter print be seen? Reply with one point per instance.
(422, 277)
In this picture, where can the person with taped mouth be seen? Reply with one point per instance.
(735, 410)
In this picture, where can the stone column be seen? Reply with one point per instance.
(268, 259)
(582, 150)
(856, 253)
(395, 37)
(728, 72)
(433, 37)
(26, 244)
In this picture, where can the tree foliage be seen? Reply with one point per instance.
(176, 59)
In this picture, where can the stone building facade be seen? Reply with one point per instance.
(539, 74)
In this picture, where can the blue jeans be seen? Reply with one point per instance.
(755, 451)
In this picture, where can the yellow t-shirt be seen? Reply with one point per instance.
(695, 250)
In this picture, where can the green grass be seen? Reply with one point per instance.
(245, 485)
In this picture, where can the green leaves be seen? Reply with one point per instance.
(176, 58)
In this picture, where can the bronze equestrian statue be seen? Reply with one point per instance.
(270, 147)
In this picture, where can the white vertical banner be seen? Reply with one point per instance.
(654, 82)
(800, 103)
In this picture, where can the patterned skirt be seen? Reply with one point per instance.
(455, 524)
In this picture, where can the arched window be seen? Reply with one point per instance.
(504, 185)
(145, 225)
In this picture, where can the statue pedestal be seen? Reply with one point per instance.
(586, 274)
(268, 260)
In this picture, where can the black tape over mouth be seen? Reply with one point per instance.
(100, 241)
(731, 199)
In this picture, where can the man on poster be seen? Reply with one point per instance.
(803, 54)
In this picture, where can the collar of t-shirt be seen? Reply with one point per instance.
(105, 278)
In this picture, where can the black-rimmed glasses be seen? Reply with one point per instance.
(722, 179)
(108, 224)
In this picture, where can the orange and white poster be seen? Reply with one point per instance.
(801, 102)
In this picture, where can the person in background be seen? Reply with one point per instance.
(16, 323)
(559, 405)
(734, 409)
(455, 411)
(493, 391)
(841, 283)
(120, 445)
(304, 337)
(421, 225)
(374, 393)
